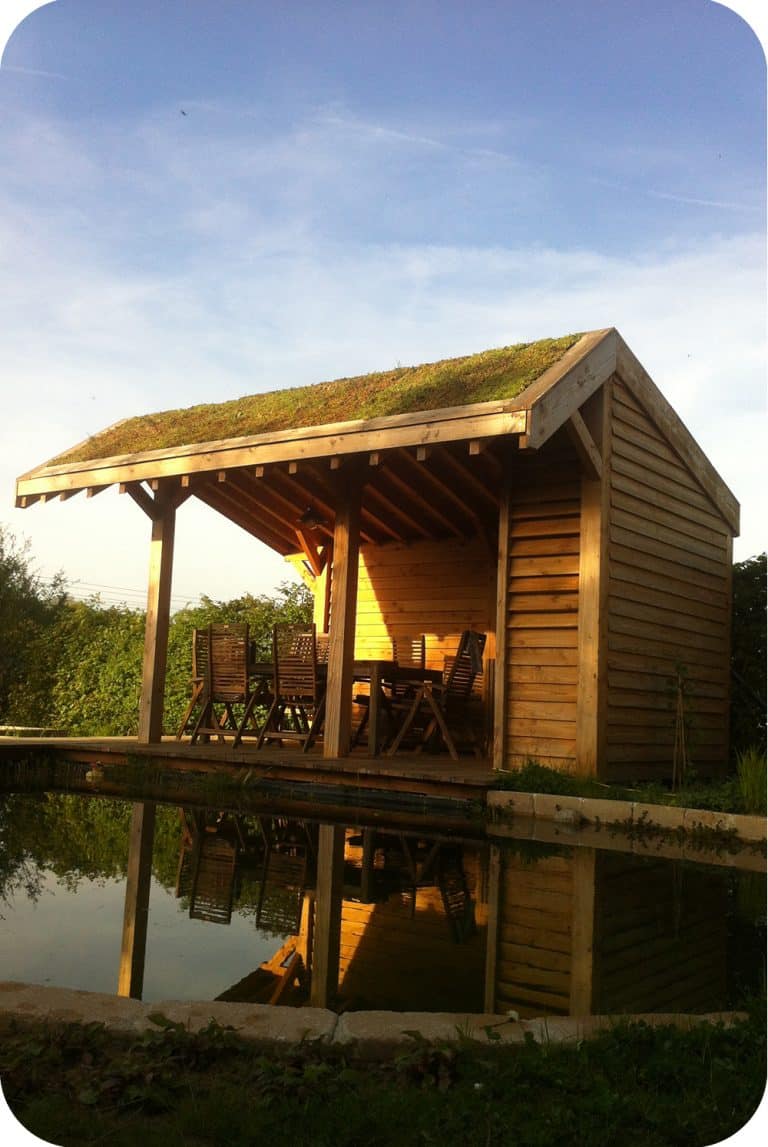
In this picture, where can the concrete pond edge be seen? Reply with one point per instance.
(628, 815)
(370, 1034)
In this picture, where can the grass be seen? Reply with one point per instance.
(641, 1086)
(744, 792)
(502, 373)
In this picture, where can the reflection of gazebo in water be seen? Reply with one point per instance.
(412, 928)
(214, 847)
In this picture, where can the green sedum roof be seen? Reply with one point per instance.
(493, 374)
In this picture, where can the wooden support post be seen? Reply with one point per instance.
(158, 618)
(341, 649)
(493, 929)
(135, 916)
(326, 945)
(593, 592)
(502, 611)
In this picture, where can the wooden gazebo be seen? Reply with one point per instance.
(545, 494)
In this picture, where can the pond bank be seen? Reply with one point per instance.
(627, 816)
(373, 1033)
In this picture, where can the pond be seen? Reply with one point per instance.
(250, 901)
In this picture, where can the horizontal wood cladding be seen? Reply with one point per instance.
(533, 959)
(542, 608)
(668, 623)
(438, 588)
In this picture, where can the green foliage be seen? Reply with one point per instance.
(97, 678)
(748, 655)
(730, 795)
(640, 1085)
(28, 608)
(77, 665)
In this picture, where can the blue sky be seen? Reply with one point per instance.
(205, 199)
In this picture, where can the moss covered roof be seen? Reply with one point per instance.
(493, 374)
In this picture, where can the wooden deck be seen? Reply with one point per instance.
(425, 774)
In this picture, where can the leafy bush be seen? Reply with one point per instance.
(748, 655)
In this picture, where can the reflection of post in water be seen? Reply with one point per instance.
(142, 835)
(327, 923)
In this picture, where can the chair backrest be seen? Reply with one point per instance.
(462, 669)
(410, 652)
(200, 643)
(323, 646)
(227, 674)
(295, 656)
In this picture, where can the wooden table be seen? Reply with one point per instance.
(379, 673)
(376, 672)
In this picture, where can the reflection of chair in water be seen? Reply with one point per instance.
(444, 707)
(296, 714)
(424, 863)
(283, 877)
(213, 880)
(207, 869)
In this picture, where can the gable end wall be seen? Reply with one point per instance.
(668, 606)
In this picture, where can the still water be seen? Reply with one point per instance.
(409, 913)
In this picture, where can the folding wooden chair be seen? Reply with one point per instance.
(441, 704)
(298, 708)
(410, 653)
(225, 680)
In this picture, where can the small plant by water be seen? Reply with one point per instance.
(742, 792)
(752, 781)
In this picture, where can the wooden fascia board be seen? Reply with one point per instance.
(452, 424)
(562, 389)
(645, 391)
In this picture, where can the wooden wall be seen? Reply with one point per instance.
(542, 607)
(668, 604)
(438, 588)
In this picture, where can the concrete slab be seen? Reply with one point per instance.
(694, 818)
(259, 1022)
(378, 1033)
(512, 803)
(750, 827)
(564, 809)
(34, 1002)
(657, 815)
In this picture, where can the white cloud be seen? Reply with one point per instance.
(162, 270)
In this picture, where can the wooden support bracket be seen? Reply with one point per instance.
(314, 556)
(588, 453)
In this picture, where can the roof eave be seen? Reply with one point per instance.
(433, 427)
